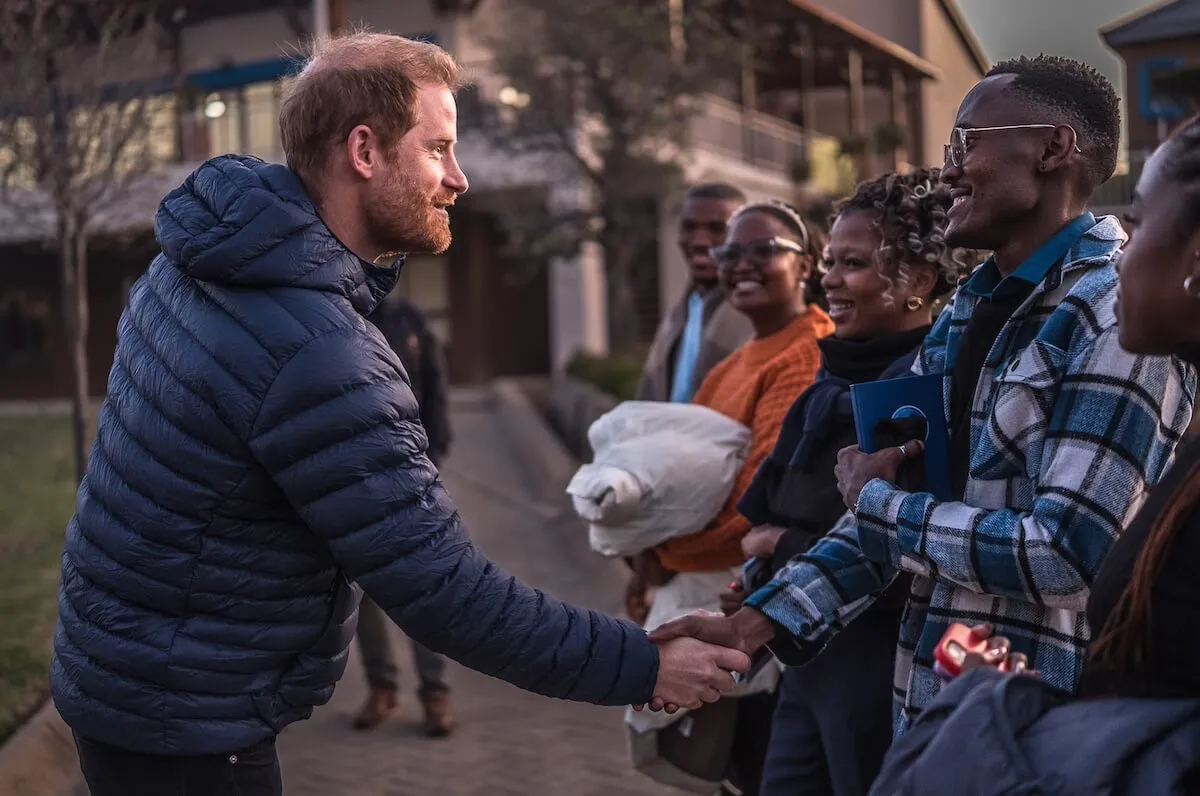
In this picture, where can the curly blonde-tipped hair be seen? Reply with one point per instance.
(910, 214)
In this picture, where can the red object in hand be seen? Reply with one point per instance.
(958, 642)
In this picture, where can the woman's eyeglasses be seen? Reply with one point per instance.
(757, 252)
(954, 152)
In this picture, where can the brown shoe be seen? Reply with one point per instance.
(380, 704)
(438, 722)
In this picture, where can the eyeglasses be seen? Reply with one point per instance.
(956, 150)
(756, 252)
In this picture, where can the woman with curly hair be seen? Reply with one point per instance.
(885, 268)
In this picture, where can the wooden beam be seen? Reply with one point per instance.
(338, 17)
(855, 94)
(899, 100)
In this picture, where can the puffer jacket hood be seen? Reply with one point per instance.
(240, 221)
(259, 452)
(989, 734)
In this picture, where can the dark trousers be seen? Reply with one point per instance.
(750, 743)
(833, 723)
(375, 643)
(110, 771)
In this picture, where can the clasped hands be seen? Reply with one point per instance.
(700, 654)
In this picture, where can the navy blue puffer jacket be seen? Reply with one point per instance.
(259, 451)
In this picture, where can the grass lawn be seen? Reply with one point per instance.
(37, 494)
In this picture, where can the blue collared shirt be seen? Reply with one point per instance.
(682, 387)
(987, 282)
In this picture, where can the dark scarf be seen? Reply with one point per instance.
(814, 416)
(843, 363)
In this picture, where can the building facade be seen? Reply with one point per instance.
(829, 75)
(1160, 47)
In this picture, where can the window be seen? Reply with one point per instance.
(24, 328)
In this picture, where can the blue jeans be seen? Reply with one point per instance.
(833, 722)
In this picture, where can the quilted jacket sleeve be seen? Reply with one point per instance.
(339, 433)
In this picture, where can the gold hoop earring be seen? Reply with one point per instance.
(914, 303)
(1190, 287)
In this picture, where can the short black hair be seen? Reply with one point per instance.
(1079, 92)
(722, 191)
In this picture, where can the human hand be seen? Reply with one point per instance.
(997, 655)
(747, 630)
(761, 541)
(692, 672)
(856, 469)
(637, 598)
(731, 600)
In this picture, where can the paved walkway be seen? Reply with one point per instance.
(509, 742)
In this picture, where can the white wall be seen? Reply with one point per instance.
(940, 99)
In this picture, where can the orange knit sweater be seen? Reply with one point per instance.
(755, 385)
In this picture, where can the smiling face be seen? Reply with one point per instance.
(766, 277)
(1155, 315)
(703, 222)
(996, 188)
(864, 301)
(407, 204)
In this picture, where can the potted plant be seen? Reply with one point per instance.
(889, 137)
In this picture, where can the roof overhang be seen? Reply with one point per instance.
(844, 28)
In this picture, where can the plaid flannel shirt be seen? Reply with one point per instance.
(1068, 432)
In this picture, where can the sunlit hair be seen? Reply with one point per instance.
(363, 78)
(909, 211)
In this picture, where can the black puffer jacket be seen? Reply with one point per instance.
(258, 451)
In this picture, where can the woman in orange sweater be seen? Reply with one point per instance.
(766, 267)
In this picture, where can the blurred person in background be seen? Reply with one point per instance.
(698, 332)
(407, 331)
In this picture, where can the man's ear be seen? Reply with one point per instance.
(362, 150)
(1060, 149)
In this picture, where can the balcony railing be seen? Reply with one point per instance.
(759, 139)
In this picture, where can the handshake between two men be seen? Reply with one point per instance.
(700, 654)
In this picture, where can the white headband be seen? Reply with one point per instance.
(782, 207)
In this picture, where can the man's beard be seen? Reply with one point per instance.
(401, 219)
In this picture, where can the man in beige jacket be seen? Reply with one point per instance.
(698, 332)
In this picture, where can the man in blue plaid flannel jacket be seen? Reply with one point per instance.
(1067, 431)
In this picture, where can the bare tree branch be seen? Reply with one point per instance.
(77, 85)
